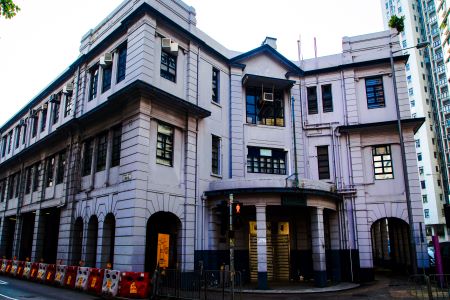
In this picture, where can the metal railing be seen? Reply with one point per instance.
(196, 285)
(431, 287)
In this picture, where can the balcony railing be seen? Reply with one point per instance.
(436, 43)
(440, 69)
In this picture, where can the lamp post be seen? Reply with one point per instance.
(412, 245)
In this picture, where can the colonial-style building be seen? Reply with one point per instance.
(141, 142)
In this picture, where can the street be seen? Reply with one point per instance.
(387, 286)
(12, 289)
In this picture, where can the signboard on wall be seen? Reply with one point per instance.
(162, 258)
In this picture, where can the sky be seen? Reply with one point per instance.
(43, 39)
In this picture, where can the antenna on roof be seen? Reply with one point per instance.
(315, 47)
(299, 49)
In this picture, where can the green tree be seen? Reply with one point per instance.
(8, 9)
(397, 23)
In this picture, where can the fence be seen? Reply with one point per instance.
(431, 287)
(201, 285)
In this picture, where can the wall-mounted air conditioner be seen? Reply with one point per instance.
(166, 43)
(44, 106)
(174, 48)
(106, 59)
(268, 97)
(68, 88)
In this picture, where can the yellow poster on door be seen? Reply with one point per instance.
(162, 258)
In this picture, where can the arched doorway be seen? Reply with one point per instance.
(163, 229)
(109, 232)
(390, 243)
(77, 244)
(91, 242)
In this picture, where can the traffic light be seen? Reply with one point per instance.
(237, 215)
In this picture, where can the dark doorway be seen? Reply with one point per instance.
(77, 239)
(8, 236)
(91, 242)
(109, 232)
(162, 226)
(390, 243)
(26, 237)
(50, 218)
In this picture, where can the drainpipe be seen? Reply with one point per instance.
(295, 141)
(230, 132)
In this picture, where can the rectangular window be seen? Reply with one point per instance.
(49, 170)
(16, 185)
(407, 67)
(404, 44)
(417, 143)
(164, 146)
(168, 66)
(266, 160)
(426, 213)
(420, 170)
(56, 106)
(413, 103)
(215, 85)
(382, 162)
(4, 145)
(439, 182)
(68, 105)
(102, 147)
(424, 199)
(116, 144)
(122, 63)
(264, 106)
(311, 93)
(10, 141)
(411, 91)
(37, 168)
(28, 179)
(375, 92)
(323, 162)
(107, 75)
(215, 155)
(87, 160)
(44, 118)
(2, 190)
(10, 192)
(419, 156)
(34, 124)
(61, 167)
(422, 184)
(93, 82)
(327, 98)
(17, 140)
(24, 135)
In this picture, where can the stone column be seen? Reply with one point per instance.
(335, 246)
(38, 243)
(318, 247)
(99, 261)
(261, 241)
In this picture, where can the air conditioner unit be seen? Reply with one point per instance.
(174, 48)
(33, 113)
(166, 43)
(54, 98)
(268, 97)
(44, 106)
(106, 59)
(68, 88)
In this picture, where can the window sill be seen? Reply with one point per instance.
(216, 103)
(265, 126)
(216, 175)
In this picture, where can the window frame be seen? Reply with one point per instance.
(44, 113)
(323, 163)
(50, 171)
(121, 62)
(311, 99)
(216, 154)
(383, 157)
(327, 98)
(116, 146)
(166, 67)
(215, 85)
(106, 81)
(61, 166)
(87, 157)
(164, 156)
(256, 162)
(268, 113)
(101, 152)
(379, 101)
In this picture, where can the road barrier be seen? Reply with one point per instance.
(41, 272)
(6, 266)
(111, 283)
(71, 276)
(95, 280)
(134, 285)
(50, 274)
(34, 271)
(60, 274)
(26, 270)
(20, 268)
(82, 278)
(14, 265)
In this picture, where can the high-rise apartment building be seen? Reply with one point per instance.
(428, 94)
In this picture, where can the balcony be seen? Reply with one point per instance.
(436, 43)
(440, 69)
(435, 31)
(442, 82)
(446, 109)
(432, 20)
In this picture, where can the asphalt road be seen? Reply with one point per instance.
(15, 289)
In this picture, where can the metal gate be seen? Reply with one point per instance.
(204, 284)
(432, 287)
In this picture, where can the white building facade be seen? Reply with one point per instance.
(428, 94)
(146, 136)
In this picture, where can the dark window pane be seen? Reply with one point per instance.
(323, 162)
(122, 63)
(116, 145)
(266, 160)
(327, 98)
(164, 145)
(311, 93)
(61, 167)
(102, 147)
(107, 74)
(168, 66)
(87, 162)
(375, 92)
